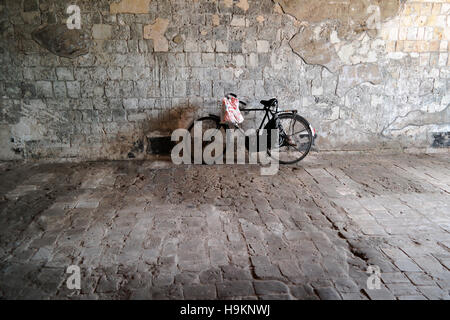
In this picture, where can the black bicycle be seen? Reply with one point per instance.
(295, 135)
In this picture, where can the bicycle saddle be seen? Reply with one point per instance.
(269, 103)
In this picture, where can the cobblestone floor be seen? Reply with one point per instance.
(143, 230)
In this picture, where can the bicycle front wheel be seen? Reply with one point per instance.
(295, 139)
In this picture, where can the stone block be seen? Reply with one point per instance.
(270, 287)
(264, 269)
(379, 294)
(199, 292)
(30, 5)
(328, 293)
(65, 73)
(102, 31)
(235, 46)
(238, 21)
(235, 289)
(73, 89)
(131, 103)
(44, 89)
(222, 46)
(233, 273)
(191, 45)
(210, 276)
(130, 6)
(262, 46)
(59, 89)
(208, 59)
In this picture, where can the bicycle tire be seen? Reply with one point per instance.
(307, 126)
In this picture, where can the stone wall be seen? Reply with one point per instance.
(368, 74)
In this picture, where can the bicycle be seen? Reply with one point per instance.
(296, 135)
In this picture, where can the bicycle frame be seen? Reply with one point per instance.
(269, 114)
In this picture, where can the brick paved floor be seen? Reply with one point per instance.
(150, 230)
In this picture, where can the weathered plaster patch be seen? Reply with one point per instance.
(61, 41)
(7, 145)
(350, 16)
(342, 33)
(277, 8)
(315, 48)
(243, 4)
(361, 50)
(418, 118)
(130, 6)
(36, 123)
(228, 3)
(28, 129)
(353, 75)
(420, 28)
(156, 33)
(215, 20)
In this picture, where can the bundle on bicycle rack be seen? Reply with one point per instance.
(230, 111)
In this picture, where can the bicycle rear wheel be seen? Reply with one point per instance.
(295, 139)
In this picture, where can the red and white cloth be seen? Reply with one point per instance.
(230, 111)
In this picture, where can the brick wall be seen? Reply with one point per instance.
(421, 28)
(153, 65)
